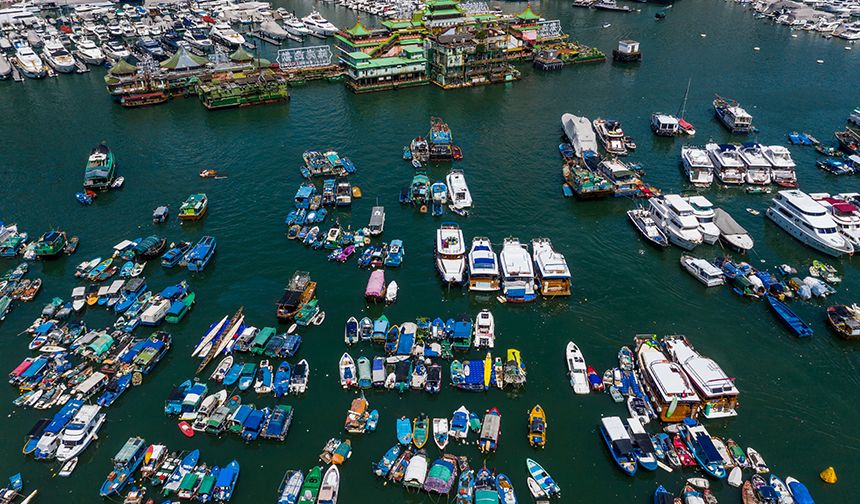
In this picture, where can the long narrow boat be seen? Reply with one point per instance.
(789, 318)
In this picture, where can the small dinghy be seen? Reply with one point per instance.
(186, 429)
(756, 461)
(68, 468)
(391, 292)
(736, 477)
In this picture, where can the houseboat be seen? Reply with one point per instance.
(734, 118)
(483, 266)
(125, 463)
(624, 181)
(50, 244)
(100, 170)
(450, 253)
(807, 221)
(668, 387)
(665, 125)
(518, 277)
(551, 266)
(194, 207)
(717, 392)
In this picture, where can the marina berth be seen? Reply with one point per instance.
(580, 133)
(483, 266)
(728, 165)
(757, 166)
(717, 391)
(732, 233)
(450, 253)
(552, 271)
(808, 222)
(518, 277)
(782, 167)
(734, 118)
(676, 218)
(669, 388)
(697, 165)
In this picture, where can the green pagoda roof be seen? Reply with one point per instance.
(240, 56)
(183, 60)
(528, 14)
(358, 30)
(122, 67)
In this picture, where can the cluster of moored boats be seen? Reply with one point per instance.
(738, 164)
(454, 193)
(14, 287)
(518, 274)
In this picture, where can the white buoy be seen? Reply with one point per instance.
(756, 48)
(819, 61)
(793, 35)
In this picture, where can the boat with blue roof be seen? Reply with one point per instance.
(226, 482)
(200, 256)
(125, 463)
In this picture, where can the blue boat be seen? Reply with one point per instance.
(618, 441)
(347, 165)
(505, 489)
(114, 389)
(199, 256)
(174, 255)
(380, 329)
(663, 496)
(34, 435)
(566, 151)
(406, 341)
(173, 404)
(699, 441)
(233, 374)
(281, 384)
(372, 421)
(278, 423)
(383, 467)
(835, 166)
(130, 293)
(465, 487)
(188, 463)
(395, 254)
(125, 271)
(125, 462)
(304, 195)
(226, 482)
(83, 199)
(799, 491)
(789, 318)
(391, 339)
(253, 425)
(404, 430)
(485, 487)
(795, 138)
(50, 439)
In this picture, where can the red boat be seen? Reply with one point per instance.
(457, 153)
(687, 460)
(594, 379)
(186, 429)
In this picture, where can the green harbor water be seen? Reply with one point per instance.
(799, 398)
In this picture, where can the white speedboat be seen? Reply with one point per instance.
(697, 165)
(846, 215)
(485, 330)
(781, 165)
(580, 133)
(703, 209)
(116, 50)
(809, 222)
(28, 62)
(728, 165)
(757, 166)
(80, 432)
(461, 198)
(483, 266)
(551, 267)
(89, 52)
(611, 136)
(58, 57)
(703, 271)
(675, 217)
(319, 25)
(518, 276)
(450, 253)
(295, 27)
(222, 33)
(576, 369)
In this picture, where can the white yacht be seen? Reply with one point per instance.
(461, 198)
(757, 166)
(485, 330)
(611, 136)
(5, 67)
(703, 209)
(675, 216)
(58, 57)
(116, 50)
(845, 214)
(28, 62)
(450, 253)
(580, 133)
(518, 276)
(483, 266)
(273, 30)
(89, 52)
(697, 165)
(703, 271)
(728, 165)
(553, 272)
(222, 33)
(80, 432)
(295, 27)
(319, 25)
(809, 222)
(781, 165)
(197, 37)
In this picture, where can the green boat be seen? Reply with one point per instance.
(206, 486)
(311, 486)
(242, 90)
(179, 308)
(194, 208)
(307, 313)
(50, 244)
(187, 486)
(100, 170)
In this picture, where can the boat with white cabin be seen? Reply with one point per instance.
(319, 25)
(697, 165)
(675, 217)
(460, 196)
(808, 221)
(782, 166)
(580, 133)
(728, 165)
(450, 253)
(703, 210)
(845, 214)
(757, 166)
(518, 277)
(553, 273)
(703, 271)
(483, 266)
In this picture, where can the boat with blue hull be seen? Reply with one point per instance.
(125, 463)
(699, 441)
(114, 389)
(226, 482)
(620, 446)
(200, 256)
(50, 439)
(174, 255)
(789, 318)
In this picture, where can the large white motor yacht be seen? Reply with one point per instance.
(29, 62)
(319, 25)
(518, 275)
(222, 33)
(483, 266)
(675, 217)
(697, 165)
(461, 198)
(805, 219)
(728, 165)
(703, 209)
(781, 165)
(757, 166)
(845, 214)
(80, 432)
(58, 57)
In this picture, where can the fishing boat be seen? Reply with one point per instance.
(734, 118)
(175, 254)
(701, 446)
(440, 432)
(537, 427)
(799, 492)
(576, 369)
(226, 482)
(649, 229)
(404, 431)
(620, 446)
(200, 256)
(789, 318)
(125, 463)
(420, 431)
(845, 320)
(100, 169)
(542, 478)
(491, 429)
(442, 475)
(485, 335)
(416, 471)
(505, 489)
(194, 207)
(299, 378)
(347, 371)
(465, 487)
(585, 183)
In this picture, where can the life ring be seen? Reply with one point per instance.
(423, 209)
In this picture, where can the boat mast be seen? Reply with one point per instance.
(683, 111)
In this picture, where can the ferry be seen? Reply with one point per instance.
(450, 253)
(200, 256)
(807, 221)
(101, 169)
(624, 181)
(782, 167)
(697, 165)
(194, 207)
(483, 266)
(518, 275)
(669, 389)
(757, 166)
(80, 432)
(618, 441)
(125, 463)
(551, 266)
(675, 217)
(728, 165)
(734, 118)
(580, 133)
(611, 136)
(717, 391)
